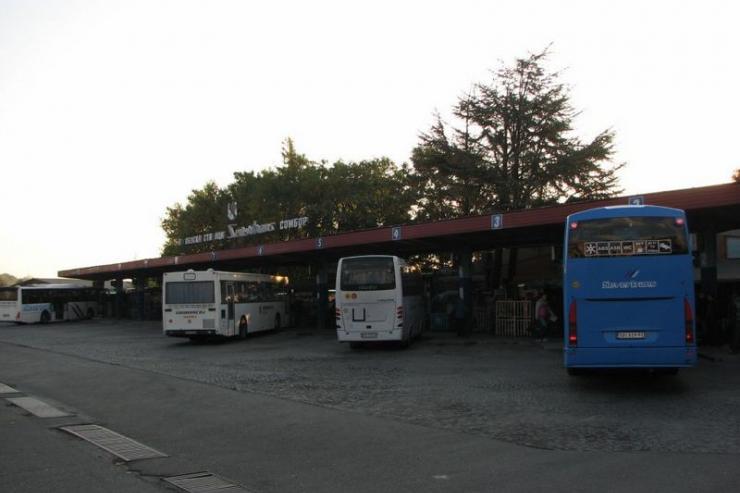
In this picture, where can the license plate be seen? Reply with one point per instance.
(369, 335)
(631, 335)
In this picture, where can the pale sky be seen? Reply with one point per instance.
(112, 111)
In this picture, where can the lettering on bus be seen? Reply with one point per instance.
(629, 285)
(628, 248)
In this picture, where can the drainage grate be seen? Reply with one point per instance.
(118, 445)
(4, 389)
(204, 482)
(38, 408)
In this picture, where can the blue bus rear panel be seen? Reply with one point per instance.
(628, 289)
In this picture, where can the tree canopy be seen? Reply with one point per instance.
(338, 197)
(512, 147)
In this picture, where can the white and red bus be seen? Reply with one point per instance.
(201, 304)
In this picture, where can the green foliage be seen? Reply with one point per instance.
(513, 148)
(204, 212)
(336, 198)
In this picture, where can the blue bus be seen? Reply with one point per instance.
(628, 290)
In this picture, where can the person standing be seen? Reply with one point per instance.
(543, 316)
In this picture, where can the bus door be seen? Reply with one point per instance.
(230, 312)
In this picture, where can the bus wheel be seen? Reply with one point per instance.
(243, 328)
(355, 345)
(277, 321)
(90, 313)
(574, 372)
(45, 317)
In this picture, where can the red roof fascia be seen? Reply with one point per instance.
(689, 199)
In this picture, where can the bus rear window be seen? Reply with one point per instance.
(627, 236)
(368, 274)
(181, 293)
(8, 294)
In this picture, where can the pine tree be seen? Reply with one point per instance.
(514, 148)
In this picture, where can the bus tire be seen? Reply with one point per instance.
(243, 328)
(574, 372)
(277, 321)
(90, 313)
(355, 345)
(45, 317)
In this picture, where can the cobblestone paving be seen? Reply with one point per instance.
(513, 391)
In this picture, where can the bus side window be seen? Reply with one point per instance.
(240, 291)
(252, 291)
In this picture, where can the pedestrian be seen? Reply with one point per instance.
(734, 319)
(543, 317)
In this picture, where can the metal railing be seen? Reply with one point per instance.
(514, 318)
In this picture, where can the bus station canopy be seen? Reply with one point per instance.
(709, 209)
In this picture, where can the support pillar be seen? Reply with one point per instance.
(464, 310)
(709, 263)
(99, 287)
(141, 305)
(119, 302)
(707, 302)
(322, 295)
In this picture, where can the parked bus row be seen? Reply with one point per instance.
(628, 296)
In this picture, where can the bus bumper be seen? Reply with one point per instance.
(188, 333)
(666, 357)
(369, 336)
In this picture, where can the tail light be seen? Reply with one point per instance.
(18, 316)
(573, 324)
(688, 317)
(399, 312)
(338, 314)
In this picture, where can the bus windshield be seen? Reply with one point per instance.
(368, 274)
(181, 293)
(627, 236)
(8, 294)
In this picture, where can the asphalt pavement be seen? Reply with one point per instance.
(294, 411)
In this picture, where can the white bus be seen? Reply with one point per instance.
(48, 303)
(201, 304)
(378, 299)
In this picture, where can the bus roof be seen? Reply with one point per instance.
(366, 256)
(626, 210)
(55, 286)
(221, 273)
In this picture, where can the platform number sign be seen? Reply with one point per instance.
(319, 243)
(497, 221)
(396, 233)
(637, 200)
